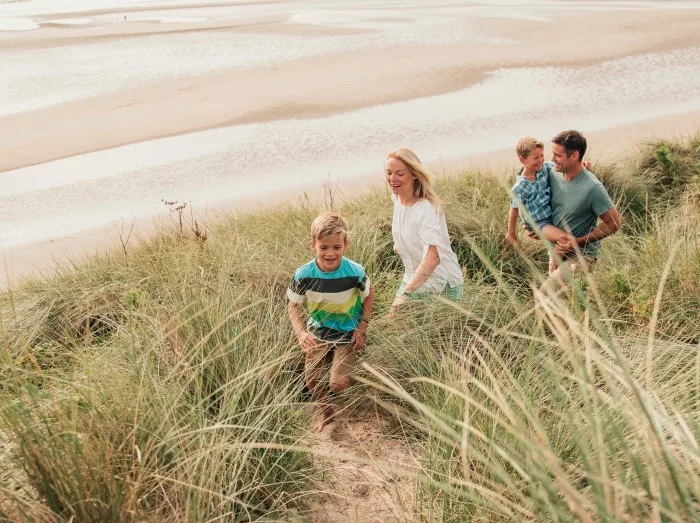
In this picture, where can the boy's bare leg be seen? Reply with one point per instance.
(324, 417)
(551, 233)
(344, 357)
(315, 369)
(559, 281)
(343, 368)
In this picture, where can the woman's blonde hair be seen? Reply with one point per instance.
(423, 181)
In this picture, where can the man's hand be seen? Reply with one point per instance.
(566, 244)
(359, 339)
(307, 341)
(512, 238)
(586, 164)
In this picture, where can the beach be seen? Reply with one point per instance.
(110, 108)
(161, 162)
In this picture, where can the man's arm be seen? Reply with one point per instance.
(360, 335)
(611, 223)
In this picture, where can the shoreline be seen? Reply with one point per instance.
(40, 259)
(181, 105)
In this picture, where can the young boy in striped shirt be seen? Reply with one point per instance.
(339, 299)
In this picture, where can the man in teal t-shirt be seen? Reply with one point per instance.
(579, 200)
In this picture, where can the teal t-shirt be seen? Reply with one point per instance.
(576, 205)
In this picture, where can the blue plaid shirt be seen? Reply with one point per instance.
(535, 196)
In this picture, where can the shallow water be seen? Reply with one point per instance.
(245, 161)
(38, 78)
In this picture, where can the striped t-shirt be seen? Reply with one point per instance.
(333, 299)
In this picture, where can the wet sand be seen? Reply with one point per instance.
(320, 85)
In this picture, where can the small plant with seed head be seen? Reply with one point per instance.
(200, 233)
(179, 208)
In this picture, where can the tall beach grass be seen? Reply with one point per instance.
(164, 383)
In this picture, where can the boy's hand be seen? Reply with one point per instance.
(512, 238)
(586, 164)
(532, 234)
(359, 339)
(307, 341)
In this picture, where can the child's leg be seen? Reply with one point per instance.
(343, 367)
(551, 233)
(315, 368)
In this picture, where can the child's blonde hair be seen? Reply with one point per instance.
(423, 183)
(327, 224)
(526, 145)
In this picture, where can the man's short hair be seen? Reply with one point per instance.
(327, 224)
(526, 145)
(571, 141)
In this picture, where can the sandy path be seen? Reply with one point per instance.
(14, 484)
(377, 487)
(319, 86)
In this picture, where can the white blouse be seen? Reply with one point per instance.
(414, 230)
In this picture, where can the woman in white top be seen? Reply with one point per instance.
(420, 231)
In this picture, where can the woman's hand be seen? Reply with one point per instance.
(398, 302)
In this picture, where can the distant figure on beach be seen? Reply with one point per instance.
(578, 201)
(339, 299)
(419, 232)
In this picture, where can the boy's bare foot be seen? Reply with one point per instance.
(323, 418)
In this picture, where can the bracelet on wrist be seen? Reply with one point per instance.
(363, 320)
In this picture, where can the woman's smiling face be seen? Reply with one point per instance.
(399, 177)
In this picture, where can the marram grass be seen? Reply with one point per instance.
(163, 383)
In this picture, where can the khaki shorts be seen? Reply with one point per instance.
(339, 357)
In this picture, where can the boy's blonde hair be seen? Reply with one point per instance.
(423, 182)
(327, 224)
(527, 144)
